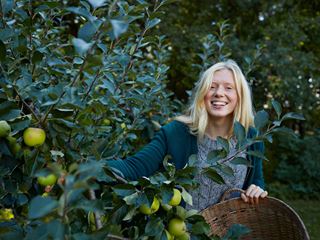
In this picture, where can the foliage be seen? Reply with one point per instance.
(295, 164)
(90, 76)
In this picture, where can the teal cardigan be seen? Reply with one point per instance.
(175, 139)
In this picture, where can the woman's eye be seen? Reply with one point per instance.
(229, 88)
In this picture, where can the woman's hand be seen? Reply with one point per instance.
(253, 193)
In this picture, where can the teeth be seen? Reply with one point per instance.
(218, 103)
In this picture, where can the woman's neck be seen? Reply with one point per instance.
(218, 128)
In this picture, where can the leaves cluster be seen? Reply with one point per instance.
(89, 74)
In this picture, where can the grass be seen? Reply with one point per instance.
(309, 211)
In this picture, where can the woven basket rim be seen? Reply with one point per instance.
(268, 198)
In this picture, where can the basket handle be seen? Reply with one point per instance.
(226, 193)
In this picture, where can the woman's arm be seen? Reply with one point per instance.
(146, 161)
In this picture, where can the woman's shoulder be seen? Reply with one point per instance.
(176, 127)
(174, 123)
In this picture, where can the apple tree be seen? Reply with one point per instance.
(81, 82)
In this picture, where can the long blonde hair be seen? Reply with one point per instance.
(196, 116)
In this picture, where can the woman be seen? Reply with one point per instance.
(222, 96)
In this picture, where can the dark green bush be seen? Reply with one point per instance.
(294, 167)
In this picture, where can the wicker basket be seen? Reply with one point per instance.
(270, 219)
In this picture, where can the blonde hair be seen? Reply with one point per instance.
(196, 116)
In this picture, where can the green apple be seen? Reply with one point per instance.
(11, 140)
(149, 210)
(48, 180)
(14, 146)
(34, 137)
(6, 214)
(176, 198)
(184, 236)
(5, 129)
(177, 227)
(106, 121)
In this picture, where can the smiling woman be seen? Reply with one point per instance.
(221, 98)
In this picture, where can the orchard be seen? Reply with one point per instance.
(83, 82)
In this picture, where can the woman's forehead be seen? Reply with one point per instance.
(223, 76)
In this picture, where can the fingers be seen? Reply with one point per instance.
(264, 194)
(244, 197)
(253, 193)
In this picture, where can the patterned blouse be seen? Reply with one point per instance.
(209, 192)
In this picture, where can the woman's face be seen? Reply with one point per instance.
(222, 98)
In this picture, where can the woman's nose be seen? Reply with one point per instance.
(219, 91)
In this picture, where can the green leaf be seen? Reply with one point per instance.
(284, 130)
(130, 214)
(88, 205)
(154, 226)
(123, 190)
(235, 232)
(88, 30)
(225, 169)
(96, 3)
(81, 11)
(269, 138)
(257, 154)
(4, 149)
(193, 158)
(186, 196)
(277, 107)
(131, 199)
(224, 143)
(41, 206)
(191, 213)
(22, 199)
(7, 6)
(181, 212)
(277, 123)
(213, 175)
(201, 228)
(119, 27)
(239, 132)
(153, 22)
(81, 46)
(292, 115)
(11, 114)
(37, 57)
(240, 161)
(215, 155)
(50, 230)
(6, 33)
(2, 51)
(261, 119)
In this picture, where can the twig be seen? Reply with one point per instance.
(97, 217)
(27, 105)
